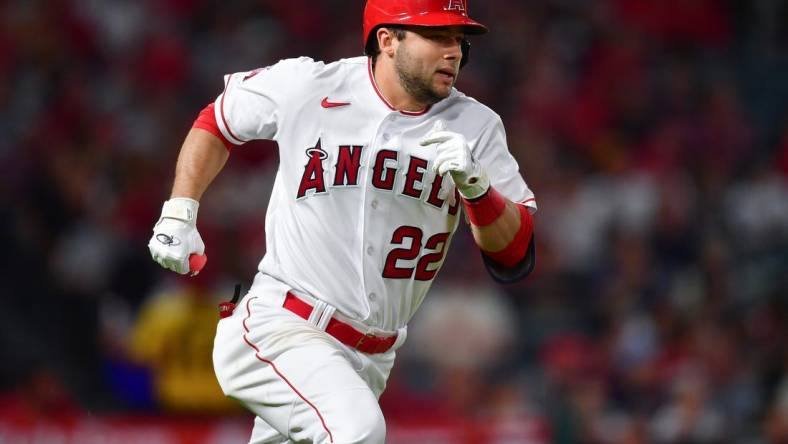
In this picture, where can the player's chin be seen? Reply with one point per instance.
(442, 89)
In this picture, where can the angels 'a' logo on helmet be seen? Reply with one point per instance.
(455, 5)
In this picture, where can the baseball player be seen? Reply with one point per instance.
(379, 155)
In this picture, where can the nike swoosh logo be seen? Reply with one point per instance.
(326, 104)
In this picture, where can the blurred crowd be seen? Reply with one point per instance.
(654, 134)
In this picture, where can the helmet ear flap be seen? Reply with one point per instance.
(465, 46)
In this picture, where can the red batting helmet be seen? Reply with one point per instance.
(418, 13)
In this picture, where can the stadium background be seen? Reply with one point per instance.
(654, 133)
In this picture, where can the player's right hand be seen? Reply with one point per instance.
(175, 236)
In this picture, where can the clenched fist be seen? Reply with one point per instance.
(454, 156)
(176, 239)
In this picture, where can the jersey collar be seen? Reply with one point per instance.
(383, 98)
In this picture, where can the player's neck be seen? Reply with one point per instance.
(389, 85)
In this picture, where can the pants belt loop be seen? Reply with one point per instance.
(317, 312)
(328, 313)
(402, 334)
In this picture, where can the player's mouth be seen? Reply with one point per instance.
(446, 75)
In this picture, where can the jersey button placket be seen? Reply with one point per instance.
(371, 214)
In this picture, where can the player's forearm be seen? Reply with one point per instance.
(502, 229)
(499, 234)
(201, 158)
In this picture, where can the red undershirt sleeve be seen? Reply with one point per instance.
(206, 120)
(513, 253)
(517, 259)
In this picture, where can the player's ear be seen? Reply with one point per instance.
(386, 38)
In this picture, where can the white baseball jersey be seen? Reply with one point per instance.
(357, 218)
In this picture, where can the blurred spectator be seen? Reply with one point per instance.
(689, 417)
(173, 339)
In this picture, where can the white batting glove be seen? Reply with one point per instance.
(454, 156)
(175, 236)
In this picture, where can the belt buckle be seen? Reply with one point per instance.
(364, 338)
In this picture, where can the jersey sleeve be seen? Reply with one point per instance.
(254, 103)
(493, 153)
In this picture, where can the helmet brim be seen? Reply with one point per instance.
(440, 19)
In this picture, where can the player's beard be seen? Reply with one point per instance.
(419, 87)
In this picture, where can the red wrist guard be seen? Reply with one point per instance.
(515, 251)
(207, 121)
(486, 208)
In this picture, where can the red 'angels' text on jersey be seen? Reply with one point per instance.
(357, 219)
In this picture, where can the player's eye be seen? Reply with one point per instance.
(446, 39)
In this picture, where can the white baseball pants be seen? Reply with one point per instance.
(303, 385)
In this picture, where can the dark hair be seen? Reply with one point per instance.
(373, 49)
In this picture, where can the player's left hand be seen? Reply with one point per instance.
(454, 156)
